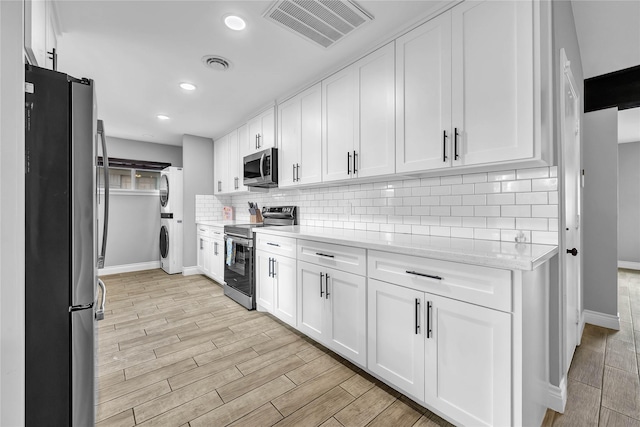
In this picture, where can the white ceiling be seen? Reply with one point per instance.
(139, 51)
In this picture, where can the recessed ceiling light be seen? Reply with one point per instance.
(188, 86)
(162, 117)
(235, 22)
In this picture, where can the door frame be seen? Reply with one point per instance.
(565, 71)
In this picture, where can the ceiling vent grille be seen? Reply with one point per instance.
(323, 22)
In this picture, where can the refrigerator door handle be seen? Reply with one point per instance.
(100, 310)
(105, 169)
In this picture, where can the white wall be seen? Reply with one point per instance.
(197, 156)
(141, 150)
(11, 215)
(600, 214)
(629, 204)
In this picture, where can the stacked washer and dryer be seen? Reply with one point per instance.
(171, 212)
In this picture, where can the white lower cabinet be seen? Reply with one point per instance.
(332, 309)
(276, 283)
(396, 346)
(454, 356)
(210, 252)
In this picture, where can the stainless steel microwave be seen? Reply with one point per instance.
(261, 169)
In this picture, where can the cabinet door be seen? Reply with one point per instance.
(339, 129)
(468, 362)
(264, 282)
(200, 253)
(396, 336)
(309, 170)
(217, 260)
(207, 254)
(423, 97)
(375, 147)
(255, 129)
(311, 297)
(346, 295)
(221, 165)
(268, 130)
(284, 306)
(492, 48)
(233, 177)
(289, 119)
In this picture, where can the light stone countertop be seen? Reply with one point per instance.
(222, 223)
(506, 255)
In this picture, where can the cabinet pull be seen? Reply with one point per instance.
(348, 163)
(444, 145)
(326, 286)
(294, 172)
(325, 255)
(321, 277)
(455, 145)
(355, 161)
(219, 186)
(429, 319)
(259, 136)
(201, 244)
(417, 316)
(273, 244)
(215, 248)
(273, 269)
(423, 275)
(297, 171)
(270, 259)
(256, 140)
(235, 183)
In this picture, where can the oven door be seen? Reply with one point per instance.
(239, 270)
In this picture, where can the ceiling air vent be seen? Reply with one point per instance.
(323, 22)
(214, 62)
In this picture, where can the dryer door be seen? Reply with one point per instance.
(164, 241)
(164, 190)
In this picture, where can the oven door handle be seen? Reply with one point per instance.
(240, 240)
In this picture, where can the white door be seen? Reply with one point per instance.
(264, 282)
(267, 137)
(311, 297)
(284, 278)
(375, 146)
(289, 119)
(216, 249)
(570, 124)
(255, 130)
(339, 130)
(200, 253)
(423, 97)
(395, 345)
(309, 169)
(468, 362)
(346, 296)
(207, 253)
(492, 81)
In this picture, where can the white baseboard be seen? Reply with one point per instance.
(629, 264)
(558, 396)
(190, 271)
(127, 268)
(601, 319)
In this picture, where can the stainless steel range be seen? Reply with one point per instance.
(239, 244)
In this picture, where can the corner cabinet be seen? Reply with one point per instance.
(358, 118)
(210, 251)
(300, 138)
(467, 88)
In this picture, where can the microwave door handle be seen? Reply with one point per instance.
(261, 166)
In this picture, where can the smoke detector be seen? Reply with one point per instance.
(217, 63)
(323, 22)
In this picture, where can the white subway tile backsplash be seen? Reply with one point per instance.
(516, 186)
(531, 198)
(532, 173)
(546, 184)
(501, 176)
(493, 205)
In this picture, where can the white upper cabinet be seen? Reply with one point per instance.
(262, 133)
(221, 165)
(493, 81)
(39, 32)
(375, 151)
(300, 138)
(423, 96)
(358, 118)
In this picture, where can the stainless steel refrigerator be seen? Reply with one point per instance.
(62, 255)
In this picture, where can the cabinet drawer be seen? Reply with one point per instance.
(489, 287)
(278, 245)
(204, 230)
(345, 258)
